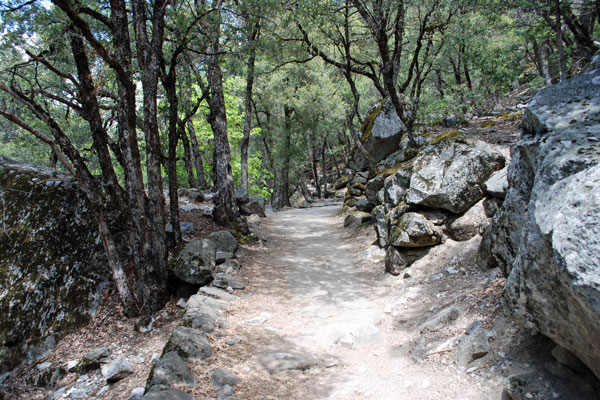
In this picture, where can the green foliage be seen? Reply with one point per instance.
(478, 51)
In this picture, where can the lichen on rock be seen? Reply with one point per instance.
(52, 263)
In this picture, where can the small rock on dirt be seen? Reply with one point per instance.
(161, 392)
(170, 370)
(191, 344)
(217, 293)
(222, 377)
(441, 319)
(225, 241)
(471, 347)
(92, 360)
(233, 340)
(137, 393)
(118, 369)
(224, 281)
(259, 319)
(282, 361)
(361, 337)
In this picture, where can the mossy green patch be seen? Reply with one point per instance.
(408, 164)
(446, 136)
(511, 116)
(369, 121)
(488, 124)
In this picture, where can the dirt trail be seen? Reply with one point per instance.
(336, 314)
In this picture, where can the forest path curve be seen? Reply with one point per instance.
(319, 319)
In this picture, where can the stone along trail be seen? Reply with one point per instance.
(318, 319)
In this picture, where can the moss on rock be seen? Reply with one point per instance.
(446, 136)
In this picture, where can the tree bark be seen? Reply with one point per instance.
(304, 191)
(197, 155)
(541, 57)
(284, 191)
(559, 41)
(169, 83)
(253, 34)
(187, 157)
(149, 54)
(313, 163)
(324, 168)
(141, 278)
(226, 211)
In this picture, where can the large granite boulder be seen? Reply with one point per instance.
(52, 263)
(450, 174)
(545, 238)
(194, 261)
(382, 132)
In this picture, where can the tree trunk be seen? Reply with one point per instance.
(335, 161)
(197, 155)
(226, 211)
(248, 105)
(304, 191)
(284, 192)
(187, 158)
(313, 163)
(152, 276)
(324, 168)
(540, 57)
(559, 41)
(169, 83)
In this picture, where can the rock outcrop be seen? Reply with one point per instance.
(381, 134)
(52, 263)
(545, 238)
(450, 175)
(421, 201)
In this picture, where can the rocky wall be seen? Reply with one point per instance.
(52, 263)
(545, 239)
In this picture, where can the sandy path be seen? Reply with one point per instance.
(328, 307)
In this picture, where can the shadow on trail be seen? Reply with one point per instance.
(321, 267)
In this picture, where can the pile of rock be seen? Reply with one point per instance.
(189, 342)
(202, 261)
(444, 189)
(96, 371)
(250, 206)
